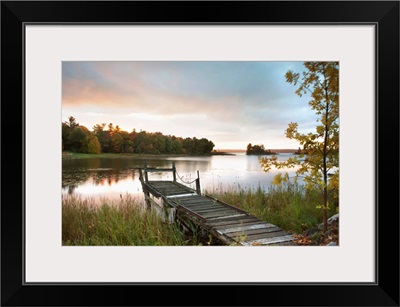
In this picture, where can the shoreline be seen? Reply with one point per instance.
(77, 155)
(66, 155)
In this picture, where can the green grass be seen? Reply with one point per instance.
(125, 222)
(116, 223)
(77, 155)
(289, 206)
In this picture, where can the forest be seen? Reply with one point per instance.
(112, 139)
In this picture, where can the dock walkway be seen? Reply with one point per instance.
(228, 224)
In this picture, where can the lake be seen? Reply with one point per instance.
(116, 177)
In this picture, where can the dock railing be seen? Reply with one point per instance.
(175, 175)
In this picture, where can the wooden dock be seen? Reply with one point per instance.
(226, 223)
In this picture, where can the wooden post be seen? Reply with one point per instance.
(198, 184)
(141, 176)
(145, 192)
(174, 170)
(146, 176)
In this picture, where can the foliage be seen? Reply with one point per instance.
(318, 162)
(78, 139)
(93, 144)
(258, 150)
(112, 139)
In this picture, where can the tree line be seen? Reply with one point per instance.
(112, 139)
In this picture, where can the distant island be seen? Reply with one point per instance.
(258, 150)
(300, 151)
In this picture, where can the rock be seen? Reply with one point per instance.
(312, 231)
(331, 244)
(333, 218)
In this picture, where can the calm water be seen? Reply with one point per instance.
(115, 178)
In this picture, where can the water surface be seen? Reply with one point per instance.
(117, 177)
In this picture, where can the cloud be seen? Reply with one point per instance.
(225, 100)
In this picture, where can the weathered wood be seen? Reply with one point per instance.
(208, 210)
(204, 203)
(198, 184)
(173, 192)
(184, 198)
(227, 212)
(268, 241)
(242, 219)
(174, 171)
(257, 236)
(223, 227)
(285, 243)
(146, 176)
(168, 185)
(187, 210)
(229, 224)
(250, 235)
(220, 218)
(201, 206)
(148, 188)
(247, 228)
(158, 189)
(195, 201)
(172, 183)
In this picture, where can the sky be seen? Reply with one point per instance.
(230, 103)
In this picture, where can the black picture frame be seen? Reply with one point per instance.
(383, 14)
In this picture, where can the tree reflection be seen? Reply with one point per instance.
(71, 189)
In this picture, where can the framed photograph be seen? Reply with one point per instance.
(99, 96)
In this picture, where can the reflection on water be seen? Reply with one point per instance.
(114, 178)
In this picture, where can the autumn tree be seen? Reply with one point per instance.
(116, 142)
(78, 140)
(72, 122)
(67, 128)
(318, 163)
(66, 131)
(93, 144)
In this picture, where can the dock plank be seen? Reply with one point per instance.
(264, 235)
(208, 208)
(248, 224)
(217, 211)
(226, 222)
(247, 228)
(186, 198)
(269, 241)
(195, 201)
(219, 214)
(198, 203)
(220, 218)
(242, 219)
(250, 235)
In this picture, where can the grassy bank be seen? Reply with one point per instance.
(77, 155)
(289, 206)
(116, 223)
(125, 222)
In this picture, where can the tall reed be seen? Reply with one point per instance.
(289, 206)
(116, 223)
